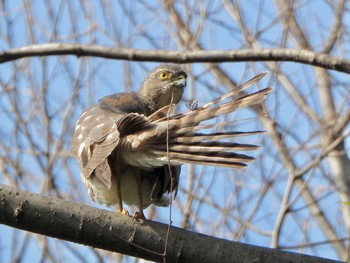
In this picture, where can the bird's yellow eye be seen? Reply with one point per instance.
(163, 75)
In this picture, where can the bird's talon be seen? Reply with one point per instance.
(124, 212)
(139, 215)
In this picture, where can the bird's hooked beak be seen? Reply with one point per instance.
(180, 81)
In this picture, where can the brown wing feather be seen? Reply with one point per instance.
(98, 132)
(174, 138)
(95, 137)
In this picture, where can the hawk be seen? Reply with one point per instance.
(130, 146)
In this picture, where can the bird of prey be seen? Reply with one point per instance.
(130, 145)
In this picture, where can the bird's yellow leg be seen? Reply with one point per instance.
(140, 213)
(121, 210)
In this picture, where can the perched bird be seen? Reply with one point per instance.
(130, 146)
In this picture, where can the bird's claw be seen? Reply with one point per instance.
(124, 212)
(139, 215)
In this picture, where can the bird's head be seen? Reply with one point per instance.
(164, 85)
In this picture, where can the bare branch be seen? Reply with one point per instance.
(213, 56)
(104, 229)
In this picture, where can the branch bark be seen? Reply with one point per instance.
(145, 239)
(212, 56)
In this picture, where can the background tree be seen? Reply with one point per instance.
(290, 198)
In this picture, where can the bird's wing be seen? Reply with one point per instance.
(175, 138)
(185, 145)
(96, 136)
(99, 130)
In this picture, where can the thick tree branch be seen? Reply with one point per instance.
(280, 54)
(107, 230)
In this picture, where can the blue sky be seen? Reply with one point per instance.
(94, 78)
